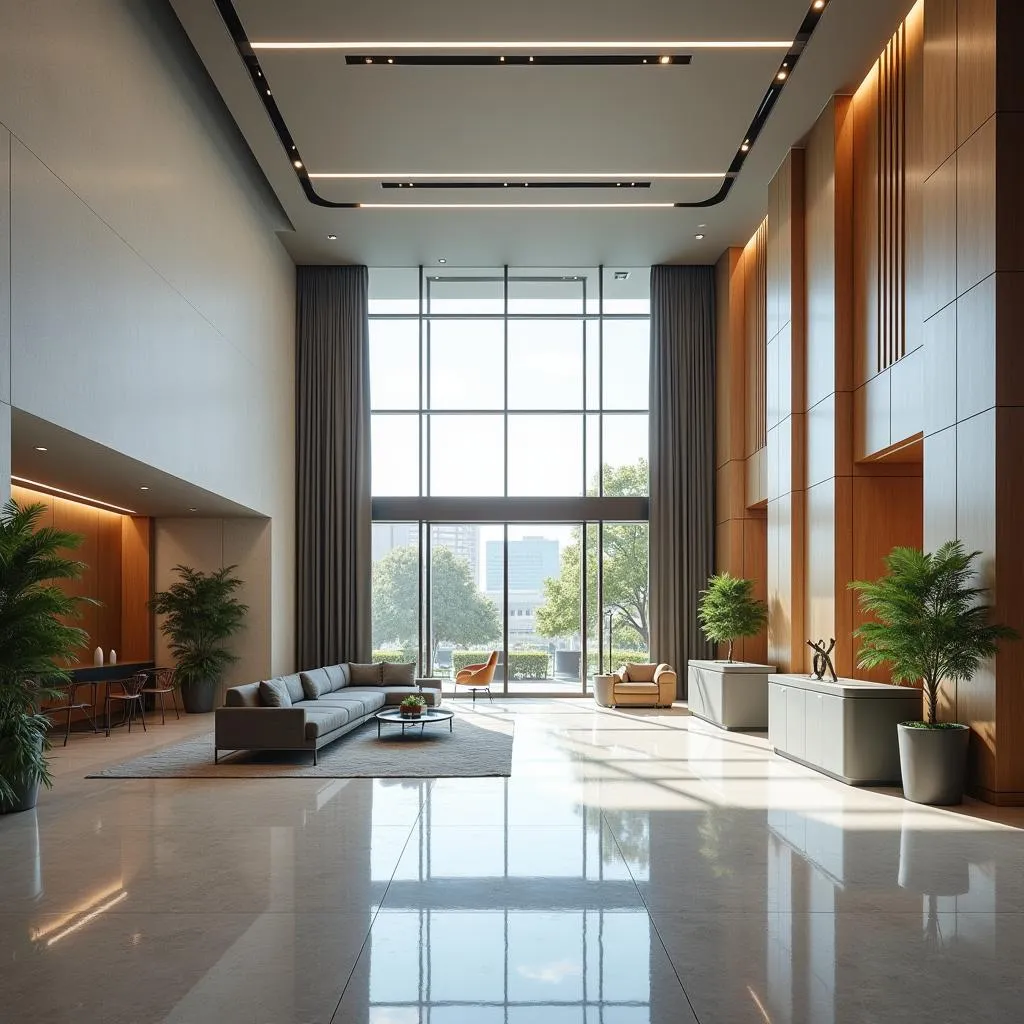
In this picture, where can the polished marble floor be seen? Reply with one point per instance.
(637, 867)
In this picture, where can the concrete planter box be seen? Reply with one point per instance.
(733, 695)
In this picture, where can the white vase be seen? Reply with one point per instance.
(97, 656)
(113, 656)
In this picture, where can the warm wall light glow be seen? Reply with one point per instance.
(611, 45)
(524, 176)
(515, 206)
(71, 494)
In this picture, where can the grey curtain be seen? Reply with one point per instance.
(682, 459)
(332, 411)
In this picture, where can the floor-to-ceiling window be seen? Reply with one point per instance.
(509, 470)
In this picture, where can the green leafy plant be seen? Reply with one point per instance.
(728, 610)
(414, 701)
(202, 614)
(34, 642)
(928, 620)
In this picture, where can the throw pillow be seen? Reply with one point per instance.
(274, 694)
(315, 682)
(394, 674)
(643, 673)
(365, 675)
(338, 675)
(293, 684)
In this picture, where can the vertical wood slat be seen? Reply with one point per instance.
(892, 172)
(756, 330)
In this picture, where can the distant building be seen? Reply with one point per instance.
(462, 540)
(388, 536)
(531, 561)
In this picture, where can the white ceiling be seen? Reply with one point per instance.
(572, 121)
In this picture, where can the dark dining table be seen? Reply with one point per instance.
(96, 676)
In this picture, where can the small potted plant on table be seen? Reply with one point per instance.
(928, 625)
(412, 706)
(731, 694)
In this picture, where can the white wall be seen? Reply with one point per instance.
(211, 544)
(151, 303)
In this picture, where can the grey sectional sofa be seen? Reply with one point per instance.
(308, 710)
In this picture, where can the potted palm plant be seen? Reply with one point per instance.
(731, 694)
(929, 624)
(34, 645)
(201, 615)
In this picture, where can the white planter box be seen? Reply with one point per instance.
(845, 729)
(733, 695)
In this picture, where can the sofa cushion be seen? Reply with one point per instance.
(245, 696)
(640, 673)
(338, 675)
(398, 674)
(294, 686)
(323, 720)
(631, 687)
(364, 675)
(274, 694)
(371, 697)
(396, 694)
(315, 683)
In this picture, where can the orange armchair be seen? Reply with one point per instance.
(478, 677)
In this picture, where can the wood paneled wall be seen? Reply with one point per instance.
(755, 292)
(117, 553)
(973, 313)
(888, 244)
(741, 530)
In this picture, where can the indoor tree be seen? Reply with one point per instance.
(729, 611)
(36, 643)
(928, 622)
(201, 615)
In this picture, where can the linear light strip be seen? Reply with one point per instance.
(661, 46)
(522, 176)
(71, 494)
(514, 206)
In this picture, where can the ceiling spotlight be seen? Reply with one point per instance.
(332, 238)
(665, 59)
(783, 74)
(143, 488)
(40, 448)
(531, 60)
(745, 148)
(369, 60)
(441, 259)
(819, 5)
(699, 237)
(391, 60)
(501, 60)
(298, 164)
(193, 510)
(621, 275)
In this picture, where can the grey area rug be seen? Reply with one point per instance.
(477, 746)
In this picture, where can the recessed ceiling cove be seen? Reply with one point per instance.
(407, 128)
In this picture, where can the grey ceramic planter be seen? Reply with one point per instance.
(198, 698)
(933, 763)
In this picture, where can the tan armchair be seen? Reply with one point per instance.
(638, 685)
(477, 677)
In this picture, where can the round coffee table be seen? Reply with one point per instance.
(392, 716)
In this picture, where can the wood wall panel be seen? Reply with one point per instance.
(755, 274)
(975, 65)
(108, 583)
(137, 629)
(866, 201)
(940, 377)
(974, 365)
(80, 519)
(976, 208)
(940, 58)
(940, 220)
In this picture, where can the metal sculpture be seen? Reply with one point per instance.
(822, 659)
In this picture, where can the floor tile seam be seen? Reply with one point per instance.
(650, 918)
(376, 914)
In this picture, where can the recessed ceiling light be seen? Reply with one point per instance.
(665, 59)
(332, 238)
(621, 275)
(40, 448)
(297, 163)
(441, 259)
(819, 4)
(608, 45)
(193, 510)
(782, 76)
(699, 237)
(745, 148)
(143, 488)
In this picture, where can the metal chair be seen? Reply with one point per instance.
(130, 698)
(163, 682)
(68, 692)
